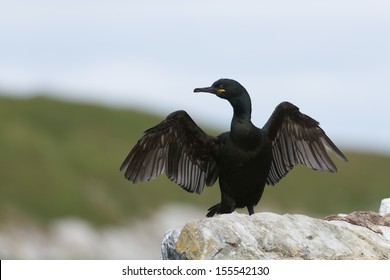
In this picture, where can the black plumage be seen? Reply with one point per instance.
(243, 159)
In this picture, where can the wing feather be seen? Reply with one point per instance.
(297, 138)
(178, 147)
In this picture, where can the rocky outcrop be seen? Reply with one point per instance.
(273, 236)
(368, 219)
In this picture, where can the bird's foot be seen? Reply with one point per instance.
(220, 209)
(251, 211)
(213, 210)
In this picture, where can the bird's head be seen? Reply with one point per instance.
(225, 88)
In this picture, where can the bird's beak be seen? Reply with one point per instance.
(207, 89)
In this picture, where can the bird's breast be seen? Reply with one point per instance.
(243, 171)
(245, 153)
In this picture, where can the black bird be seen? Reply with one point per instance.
(243, 159)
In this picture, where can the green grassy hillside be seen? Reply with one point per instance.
(62, 159)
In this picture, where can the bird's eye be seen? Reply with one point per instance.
(221, 89)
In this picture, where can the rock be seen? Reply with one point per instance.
(385, 207)
(273, 236)
(168, 251)
(368, 219)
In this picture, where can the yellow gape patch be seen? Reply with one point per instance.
(221, 90)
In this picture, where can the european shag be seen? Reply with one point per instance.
(243, 159)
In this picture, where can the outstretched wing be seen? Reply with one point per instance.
(297, 138)
(178, 147)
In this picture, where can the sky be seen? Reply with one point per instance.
(330, 58)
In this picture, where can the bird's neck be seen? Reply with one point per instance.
(242, 129)
(242, 109)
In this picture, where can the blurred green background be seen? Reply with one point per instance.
(61, 159)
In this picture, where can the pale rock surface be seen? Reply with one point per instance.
(385, 207)
(273, 236)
